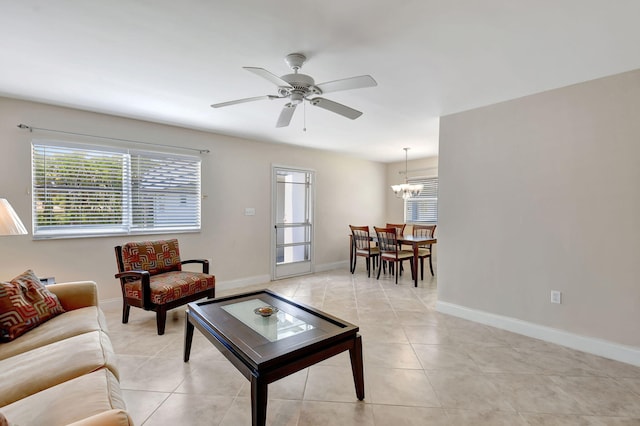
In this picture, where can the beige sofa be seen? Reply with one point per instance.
(63, 371)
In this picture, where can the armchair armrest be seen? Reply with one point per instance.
(204, 262)
(145, 280)
(75, 295)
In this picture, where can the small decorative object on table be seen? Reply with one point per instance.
(265, 311)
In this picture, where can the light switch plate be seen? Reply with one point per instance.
(249, 211)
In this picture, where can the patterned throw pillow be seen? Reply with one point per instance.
(24, 304)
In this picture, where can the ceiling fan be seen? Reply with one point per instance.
(299, 87)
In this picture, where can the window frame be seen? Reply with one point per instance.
(428, 182)
(124, 221)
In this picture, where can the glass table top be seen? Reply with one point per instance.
(278, 326)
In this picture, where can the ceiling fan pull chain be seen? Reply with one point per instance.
(304, 115)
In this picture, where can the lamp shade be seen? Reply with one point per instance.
(10, 223)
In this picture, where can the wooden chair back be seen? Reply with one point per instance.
(361, 237)
(388, 240)
(424, 231)
(399, 227)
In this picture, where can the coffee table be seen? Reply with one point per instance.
(267, 348)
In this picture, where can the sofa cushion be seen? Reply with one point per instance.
(50, 365)
(68, 402)
(25, 303)
(115, 417)
(171, 286)
(61, 327)
(154, 256)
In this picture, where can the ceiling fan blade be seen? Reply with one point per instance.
(347, 84)
(286, 114)
(241, 101)
(332, 106)
(268, 76)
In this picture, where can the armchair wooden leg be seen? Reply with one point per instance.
(161, 319)
(125, 312)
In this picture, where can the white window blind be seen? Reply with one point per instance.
(424, 207)
(90, 191)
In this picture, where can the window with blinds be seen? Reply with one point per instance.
(424, 207)
(93, 191)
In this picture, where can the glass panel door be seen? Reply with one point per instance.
(293, 230)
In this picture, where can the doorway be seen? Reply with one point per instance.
(292, 205)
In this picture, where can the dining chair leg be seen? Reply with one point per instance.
(368, 267)
(431, 266)
(422, 268)
(397, 270)
(379, 269)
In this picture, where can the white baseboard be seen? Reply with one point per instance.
(116, 303)
(615, 351)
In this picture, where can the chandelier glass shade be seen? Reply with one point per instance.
(406, 190)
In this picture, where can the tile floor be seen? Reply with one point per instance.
(421, 367)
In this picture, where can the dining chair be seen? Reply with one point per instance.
(391, 252)
(424, 231)
(399, 227)
(361, 241)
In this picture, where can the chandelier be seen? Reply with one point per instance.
(406, 190)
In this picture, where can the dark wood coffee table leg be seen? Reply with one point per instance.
(258, 401)
(356, 367)
(188, 337)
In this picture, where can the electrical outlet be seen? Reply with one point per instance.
(556, 296)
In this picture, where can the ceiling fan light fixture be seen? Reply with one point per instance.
(296, 98)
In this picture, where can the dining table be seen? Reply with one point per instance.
(414, 241)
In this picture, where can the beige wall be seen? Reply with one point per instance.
(543, 193)
(236, 174)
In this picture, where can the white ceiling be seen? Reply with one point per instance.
(167, 61)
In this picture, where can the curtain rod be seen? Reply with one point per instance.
(31, 129)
